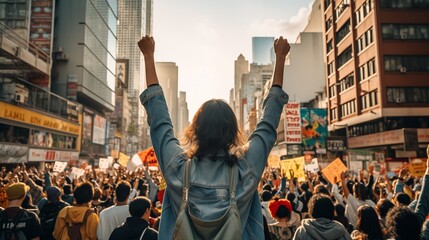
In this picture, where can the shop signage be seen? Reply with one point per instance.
(292, 123)
(46, 155)
(23, 115)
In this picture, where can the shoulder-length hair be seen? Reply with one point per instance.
(368, 222)
(214, 128)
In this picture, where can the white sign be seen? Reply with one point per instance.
(45, 155)
(292, 123)
(60, 166)
(313, 166)
(76, 172)
(99, 130)
(103, 163)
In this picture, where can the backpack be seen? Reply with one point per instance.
(189, 227)
(73, 229)
(9, 227)
(48, 217)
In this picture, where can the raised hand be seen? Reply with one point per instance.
(281, 47)
(147, 45)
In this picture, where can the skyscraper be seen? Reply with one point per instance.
(168, 75)
(183, 112)
(262, 50)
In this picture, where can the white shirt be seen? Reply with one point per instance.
(109, 219)
(352, 206)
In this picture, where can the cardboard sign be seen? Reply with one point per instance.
(123, 159)
(334, 169)
(273, 160)
(76, 172)
(313, 166)
(417, 167)
(295, 164)
(103, 163)
(60, 166)
(116, 166)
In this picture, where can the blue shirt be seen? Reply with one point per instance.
(209, 180)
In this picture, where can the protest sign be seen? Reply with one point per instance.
(103, 163)
(273, 160)
(417, 167)
(295, 164)
(123, 159)
(313, 166)
(76, 172)
(60, 166)
(334, 169)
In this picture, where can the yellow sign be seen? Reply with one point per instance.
(123, 159)
(11, 112)
(417, 167)
(334, 169)
(273, 160)
(294, 164)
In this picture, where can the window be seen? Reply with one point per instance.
(332, 91)
(348, 108)
(341, 8)
(342, 32)
(328, 24)
(364, 40)
(326, 4)
(404, 4)
(406, 63)
(363, 11)
(345, 56)
(329, 46)
(367, 70)
(400, 95)
(334, 114)
(330, 68)
(405, 31)
(368, 100)
(346, 82)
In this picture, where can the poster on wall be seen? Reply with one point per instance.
(42, 12)
(314, 129)
(99, 130)
(292, 123)
(87, 125)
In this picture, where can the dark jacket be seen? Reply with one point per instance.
(133, 229)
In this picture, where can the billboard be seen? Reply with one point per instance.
(42, 12)
(122, 73)
(99, 130)
(292, 123)
(314, 127)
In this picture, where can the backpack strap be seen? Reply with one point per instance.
(144, 231)
(187, 169)
(233, 184)
(73, 229)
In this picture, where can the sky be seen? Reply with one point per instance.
(205, 37)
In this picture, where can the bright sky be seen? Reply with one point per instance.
(205, 37)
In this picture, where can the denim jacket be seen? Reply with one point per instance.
(209, 180)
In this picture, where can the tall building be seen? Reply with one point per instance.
(377, 55)
(183, 112)
(36, 125)
(241, 67)
(85, 64)
(262, 50)
(168, 75)
(135, 21)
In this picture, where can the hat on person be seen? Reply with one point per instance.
(53, 193)
(275, 204)
(16, 191)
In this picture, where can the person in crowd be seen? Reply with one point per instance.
(106, 196)
(115, 215)
(49, 212)
(78, 220)
(354, 201)
(402, 199)
(27, 223)
(96, 203)
(281, 210)
(383, 206)
(137, 225)
(68, 194)
(402, 224)
(368, 226)
(214, 143)
(321, 225)
(265, 199)
(341, 217)
(28, 204)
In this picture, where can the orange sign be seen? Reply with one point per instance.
(417, 167)
(334, 169)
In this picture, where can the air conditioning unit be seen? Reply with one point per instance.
(403, 69)
(19, 98)
(404, 36)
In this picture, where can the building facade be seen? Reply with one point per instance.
(168, 76)
(262, 50)
(377, 58)
(183, 113)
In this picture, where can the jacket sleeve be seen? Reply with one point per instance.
(422, 208)
(262, 140)
(165, 144)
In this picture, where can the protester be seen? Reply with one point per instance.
(321, 225)
(402, 223)
(49, 212)
(368, 226)
(214, 143)
(15, 221)
(115, 215)
(341, 218)
(383, 207)
(265, 199)
(80, 216)
(281, 210)
(137, 225)
(68, 194)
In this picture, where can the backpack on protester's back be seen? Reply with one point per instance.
(48, 217)
(73, 229)
(10, 229)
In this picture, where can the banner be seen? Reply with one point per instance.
(60, 166)
(334, 169)
(295, 164)
(314, 129)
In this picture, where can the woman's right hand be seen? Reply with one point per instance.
(147, 45)
(281, 47)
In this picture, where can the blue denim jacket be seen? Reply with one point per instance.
(209, 180)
